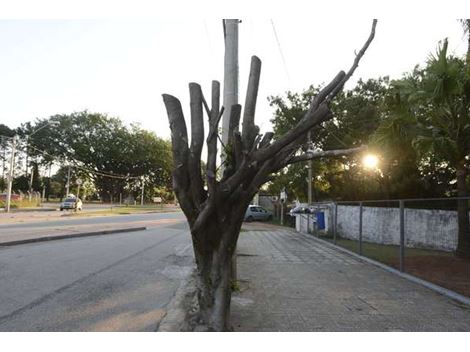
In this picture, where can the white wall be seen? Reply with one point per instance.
(436, 229)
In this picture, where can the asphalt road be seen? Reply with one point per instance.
(119, 282)
(92, 220)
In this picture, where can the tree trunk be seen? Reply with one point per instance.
(214, 280)
(463, 244)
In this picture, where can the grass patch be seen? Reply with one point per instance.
(124, 211)
(25, 203)
(387, 254)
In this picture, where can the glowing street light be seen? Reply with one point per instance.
(370, 161)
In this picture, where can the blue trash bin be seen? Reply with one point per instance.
(320, 220)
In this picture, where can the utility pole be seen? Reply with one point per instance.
(230, 92)
(27, 156)
(10, 176)
(68, 183)
(31, 183)
(49, 182)
(43, 198)
(3, 161)
(230, 73)
(142, 196)
(309, 177)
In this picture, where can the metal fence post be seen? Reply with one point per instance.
(360, 228)
(335, 227)
(402, 235)
(308, 223)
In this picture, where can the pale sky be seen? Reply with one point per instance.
(122, 66)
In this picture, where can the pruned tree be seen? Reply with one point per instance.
(215, 207)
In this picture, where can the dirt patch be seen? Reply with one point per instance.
(450, 272)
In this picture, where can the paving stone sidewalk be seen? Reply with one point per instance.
(293, 282)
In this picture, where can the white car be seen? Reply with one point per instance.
(71, 203)
(255, 212)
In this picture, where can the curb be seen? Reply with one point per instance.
(74, 235)
(29, 210)
(436, 288)
(178, 309)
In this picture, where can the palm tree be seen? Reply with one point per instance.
(432, 107)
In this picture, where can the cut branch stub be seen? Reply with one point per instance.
(197, 140)
(248, 133)
(179, 141)
(214, 118)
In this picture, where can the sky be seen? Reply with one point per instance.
(122, 66)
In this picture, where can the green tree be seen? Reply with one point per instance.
(5, 134)
(357, 114)
(432, 112)
(102, 148)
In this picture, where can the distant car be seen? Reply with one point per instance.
(301, 210)
(71, 203)
(255, 212)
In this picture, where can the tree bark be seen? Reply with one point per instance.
(463, 244)
(214, 268)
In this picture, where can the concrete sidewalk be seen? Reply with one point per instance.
(293, 282)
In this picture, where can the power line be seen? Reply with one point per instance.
(99, 173)
(280, 51)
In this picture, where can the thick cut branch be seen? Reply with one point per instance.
(214, 118)
(248, 133)
(197, 140)
(179, 140)
(325, 153)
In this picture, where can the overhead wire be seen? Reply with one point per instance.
(76, 165)
(280, 51)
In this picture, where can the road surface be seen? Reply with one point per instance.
(119, 282)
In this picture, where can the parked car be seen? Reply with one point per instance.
(71, 203)
(255, 212)
(301, 210)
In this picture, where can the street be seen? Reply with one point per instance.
(119, 282)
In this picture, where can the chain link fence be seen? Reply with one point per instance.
(416, 236)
